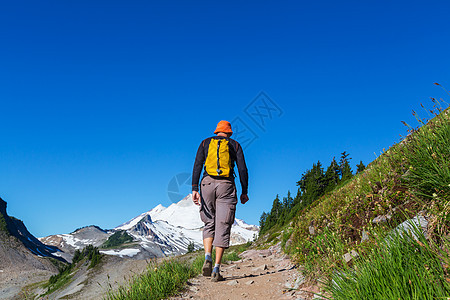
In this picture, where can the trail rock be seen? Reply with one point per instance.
(260, 268)
(382, 219)
(296, 284)
(249, 282)
(250, 254)
(365, 236)
(419, 222)
(265, 253)
(233, 282)
(276, 249)
(284, 264)
(350, 255)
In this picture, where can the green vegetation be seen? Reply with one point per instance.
(57, 281)
(165, 279)
(117, 239)
(404, 265)
(89, 254)
(160, 280)
(230, 256)
(327, 221)
(190, 247)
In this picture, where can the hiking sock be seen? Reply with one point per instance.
(216, 268)
(208, 256)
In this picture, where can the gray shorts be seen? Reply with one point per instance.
(218, 206)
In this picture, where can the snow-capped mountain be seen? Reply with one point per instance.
(162, 231)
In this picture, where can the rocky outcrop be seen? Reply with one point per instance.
(19, 249)
(17, 229)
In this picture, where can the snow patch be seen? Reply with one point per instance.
(122, 253)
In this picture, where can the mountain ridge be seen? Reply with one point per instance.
(161, 231)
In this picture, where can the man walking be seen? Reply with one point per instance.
(217, 155)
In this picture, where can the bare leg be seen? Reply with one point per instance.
(219, 254)
(207, 244)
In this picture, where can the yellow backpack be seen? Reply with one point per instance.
(218, 161)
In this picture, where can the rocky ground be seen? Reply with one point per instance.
(94, 283)
(12, 281)
(260, 274)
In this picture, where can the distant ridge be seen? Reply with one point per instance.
(161, 231)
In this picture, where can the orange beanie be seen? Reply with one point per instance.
(223, 126)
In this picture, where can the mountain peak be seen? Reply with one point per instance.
(184, 214)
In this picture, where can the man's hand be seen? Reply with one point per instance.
(196, 197)
(244, 198)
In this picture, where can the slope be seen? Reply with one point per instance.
(409, 181)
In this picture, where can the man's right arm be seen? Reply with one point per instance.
(198, 166)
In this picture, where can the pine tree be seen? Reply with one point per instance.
(344, 166)
(360, 167)
(288, 202)
(262, 220)
(276, 208)
(332, 176)
(190, 247)
(312, 183)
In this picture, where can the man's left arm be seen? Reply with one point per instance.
(196, 172)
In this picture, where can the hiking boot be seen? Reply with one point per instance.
(216, 277)
(207, 268)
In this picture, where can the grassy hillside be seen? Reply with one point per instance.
(411, 178)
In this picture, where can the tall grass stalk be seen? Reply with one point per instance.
(428, 154)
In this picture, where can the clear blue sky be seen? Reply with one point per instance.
(102, 103)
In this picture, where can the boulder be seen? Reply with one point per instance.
(382, 219)
(350, 255)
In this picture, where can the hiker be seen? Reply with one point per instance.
(217, 197)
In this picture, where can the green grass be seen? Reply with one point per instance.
(165, 279)
(160, 280)
(427, 152)
(231, 256)
(400, 267)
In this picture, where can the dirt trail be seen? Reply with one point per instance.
(260, 274)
